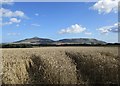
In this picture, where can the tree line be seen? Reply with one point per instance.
(49, 45)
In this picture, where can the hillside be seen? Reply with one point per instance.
(37, 40)
(81, 41)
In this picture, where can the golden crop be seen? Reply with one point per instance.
(60, 65)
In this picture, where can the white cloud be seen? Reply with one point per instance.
(13, 34)
(106, 6)
(5, 23)
(12, 16)
(37, 25)
(88, 33)
(36, 14)
(15, 20)
(8, 2)
(73, 29)
(8, 13)
(11, 21)
(17, 25)
(113, 28)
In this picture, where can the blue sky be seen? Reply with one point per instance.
(58, 20)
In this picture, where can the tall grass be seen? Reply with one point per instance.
(1, 66)
(70, 65)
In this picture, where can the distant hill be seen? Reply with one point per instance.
(81, 41)
(37, 40)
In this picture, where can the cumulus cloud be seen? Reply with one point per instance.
(8, 13)
(37, 25)
(5, 23)
(73, 29)
(106, 6)
(12, 16)
(11, 21)
(8, 2)
(113, 28)
(15, 20)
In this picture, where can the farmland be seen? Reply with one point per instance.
(60, 65)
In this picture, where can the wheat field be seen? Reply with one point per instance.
(60, 65)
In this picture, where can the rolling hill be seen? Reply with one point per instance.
(37, 40)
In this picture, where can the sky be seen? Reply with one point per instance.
(59, 20)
